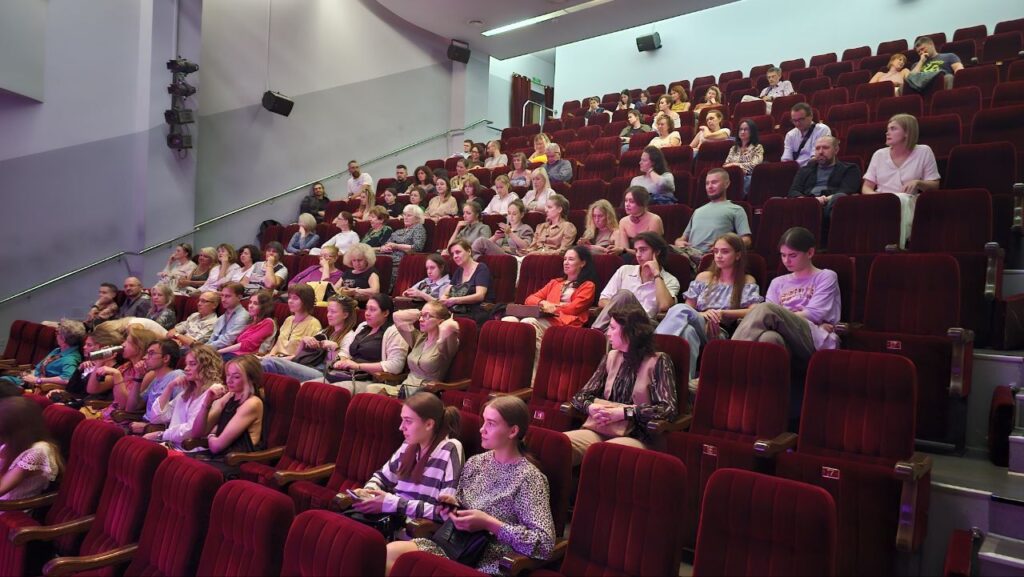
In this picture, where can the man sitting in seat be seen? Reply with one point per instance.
(198, 327)
(105, 307)
(646, 283)
(559, 169)
(356, 180)
(777, 88)
(799, 141)
(402, 180)
(712, 220)
(931, 62)
(826, 178)
(136, 302)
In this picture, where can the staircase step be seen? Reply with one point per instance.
(1001, 555)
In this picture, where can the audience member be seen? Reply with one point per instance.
(105, 307)
(469, 229)
(801, 308)
(324, 271)
(160, 311)
(712, 98)
(777, 88)
(558, 169)
(646, 283)
(433, 339)
(634, 126)
(799, 141)
(520, 173)
(180, 406)
(402, 180)
(716, 300)
(540, 148)
(356, 180)
(248, 256)
(83, 383)
(470, 284)
(667, 134)
(929, 65)
(713, 220)
(305, 238)
(680, 100)
(471, 189)
(494, 156)
(476, 156)
(655, 177)
(29, 459)
(461, 173)
(360, 279)
(537, 197)
(270, 273)
(59, 364)
(226, 270)
(126, 379)
(712, 130)
(501, 491)
(392, 204)
(643, 100)
(424, 178)
(315, 203)
(312, 352)
(179, 265)
(198, 327)
(233, 321)
(594, 109)
(444, 203)
(633, 385)
(367, 200)
(503, 196)
(344, 239)
(467, 147)
(301, 323)
(637, 220)
(556, 233)
(258, 336)
(624, 102)
(429, 289)
(904, 168)
(896, 72)
(511, 237)
(161, 358)
(746, 153)
(665, 109)
(379, 232)
(418, 196)
(232, 414)
(136, 302)
(411, 238)
(206, 258)
(374, 346)
(602, 229)
(826, 178)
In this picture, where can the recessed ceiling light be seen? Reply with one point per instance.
(544, 17)
(476, 23)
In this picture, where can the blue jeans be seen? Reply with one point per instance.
(280, 366)
(682, 320)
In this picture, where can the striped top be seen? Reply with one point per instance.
(417, 499)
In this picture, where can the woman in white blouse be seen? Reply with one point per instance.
(537, 197)
(180, 405)
(344, 239)
(29, 460)
(226, 270)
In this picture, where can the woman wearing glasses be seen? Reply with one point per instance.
(433, 338)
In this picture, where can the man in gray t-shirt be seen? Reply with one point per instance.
(712, 220)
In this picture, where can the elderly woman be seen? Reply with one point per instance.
(712, 131)
(520, 173)
(360, 280)
(197, 278)
(316, 202)
(633, 385)
(512, 236)
(537, 197)
(469, 229)
(179, 265)
(411, 238)
(81, 385)
(324, 271)
(638, 219)
(344, 239)
(379, 232)
(160, 310)
(444, 204)
(269, 273)
(540, 148)
(556, 233)
(430, 288)
(667, 134)
(56, 367)
(494, 156)
(602, 229)
(374, 346)
(305, 238)
(655, 177)
(746, 153)
(896, 72)
(470, 284)
(423, 177)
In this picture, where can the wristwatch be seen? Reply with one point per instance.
(630, 412)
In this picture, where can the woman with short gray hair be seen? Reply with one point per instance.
(411, 238)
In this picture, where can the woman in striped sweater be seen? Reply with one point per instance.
(427, 465)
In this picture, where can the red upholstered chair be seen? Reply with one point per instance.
(123, 503)
(856, 53)
(864, 223)
(857, 442)
(781, 214)
(77, 496)
(585, 192)
(564, 136)
(862, 140)
(627, 509)
(1016, 71)
(370, 437)
(592, 131)
(973, 33)
(743, 397)
(411, 269)
(504, 364)
(248, 528)
(875, 63)
(753, 524)
(712, 155)
(17, 341)
(845, 268)
(423, 564)
(173, 529)
(1002, 48)
(316, 426)
(321, 543)
(610, 144)
(469, 433)
(992, 166)
(279, 393)
(629, 163)
(599, 166)
(788, 66)
(727, 77)
(679, 160)
(942, 133)
(984, 77)
(965, 102)
(834, 69)
(504, 268)
(910, 104)
(851, 80)
(813, 85)
(1002, 124)
(841, 117)
(824, 99)
(773, 144)
(1008, 94)
(675, 217)
(746, 109)
(577, 149)
(797, 76)
(822, 59)
(62, 421)
(569, 356)
(769, 180)
(913, 310)
(535, 272)
(443, 230)
(553, 451)
(640, 140)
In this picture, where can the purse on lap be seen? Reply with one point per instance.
(466, 547)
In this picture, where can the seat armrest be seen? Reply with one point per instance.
(97, 405)
(389, 378)
(516, 564)
(523, 394)
(37, 502)
(283, 478)
(196, 443)
(341, 502)
(962, 340)
(917, 466)
(910, 472)
(420, 528)
(127, 416)
(69, 565)
(265, 456)
(568, 409)
(23, 535)
(487, 306)
(994, 262)
(47, 387)
(439, 386)
(1018, 209)
(844, 329)
(665, 426)
(769, 448)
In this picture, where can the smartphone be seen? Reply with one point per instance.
(353, 494)
(320, 337)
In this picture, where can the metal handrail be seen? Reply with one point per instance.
(542, 108)
(230, 213)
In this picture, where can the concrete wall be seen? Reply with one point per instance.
(23, 47)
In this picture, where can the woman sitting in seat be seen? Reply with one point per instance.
(425, 468)
(179, 265)
(430, 288)
(470, 286)
(324, 271)
(432, 345)
(456, 182)
(411, 238)
(301, 323)
(258, 336)
(233, 413)
(715, 301)
(472, 188)
(367, 200)
(540, 149)
(469, 229)
(197, 278)
(602, 229)
(379, 232)
(375, 346)
(444, 204)
(667, 135)
(248, 256)
(512, 236)
(305, 238)
(537, 197)
(665, 110)
(360, 279)
(29, 459)
(746, 153)
(476, 156)
(520, 174)
(312, 352)
(344, 239)
(624, 102)
(896, 72)
(633, 385)
(83, 384)
(126, 379)
(680, 100)
(226, 270)
(181, 403)
(59, 365)
(638, 219)
(555, 234)
(503, 196)
(712, 97)
(655, 177)
(418, 197)
(391, 203)
(712, 131)
(424, 178)
(501, 491)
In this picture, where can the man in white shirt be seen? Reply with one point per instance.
(647, 282)
(357, 180)
(799, 142)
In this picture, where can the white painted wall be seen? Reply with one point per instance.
(499, 90)
(23, 47)
(744, 34)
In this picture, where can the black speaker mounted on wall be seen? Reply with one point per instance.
(278, 103)
(458, 51)
(650, 42)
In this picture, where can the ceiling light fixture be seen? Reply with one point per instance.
(544, 17)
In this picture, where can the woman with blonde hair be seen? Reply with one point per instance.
(537, 197)
(233, 414)
(712, 97)
(602, 230)
(160, 309)
(367, 200)
(410, 238)
(360, 280)
(305, 238)
(896, 72)
(126, 379)
(226, 270)
(556, 233)
(205, 258)
(181, 403)
(540, 148)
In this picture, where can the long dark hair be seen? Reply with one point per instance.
(639, 331)
(21, 426)
(739, 270)
(657, 159)
(427, 406)
(589, 271)
(428, 174)
(752, 128)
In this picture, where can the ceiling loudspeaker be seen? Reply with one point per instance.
(650, 42)
(458, 51)
(277, 103)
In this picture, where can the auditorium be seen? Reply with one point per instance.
(606, 287)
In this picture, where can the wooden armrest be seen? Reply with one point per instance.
(389, 378)
(341, 502)
(516, 564)
(69, 565)
(487, 306)
(37, 502)
(893, 249)
(995, 259)
(23, 535)
(47, 387)
(771, 447)
(961, 339)
(283, 478)
(1018, 208)
(665, 426)
(910, 472)
(523, 394)
(438, 386)
(265, 456)
(420, 528)
(844, 329)
(191, 444)
(127, 416)
(98, 405)
(568, 409)
(153, 428)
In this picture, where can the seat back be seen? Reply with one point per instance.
(627, 507)
(744, 390)
(1001, 46)
(834, 69)
(584, 193)
(889, 106)
(504, 357)
(126, 492)
(712, 155)
(569, 356)
(553, 452)
(411, 269)
(423, 564)
(503, 269)
(813, 85)
(862, 140)
(843, 116)
(991, 166)
(248, 528)
(781, 214)
(461, 366)
(469, 432)
(323, 543)
(859, 403)
(781, 106)
(846, 269)
(864, 223)
(913, 294)
(674, 217)
(952, 221)
(598, 165)
(755, 524)
(177, 518)
(62, 421)
(1008, 94)
(769, 180)
(317, 422)
(536, 271)
(370, 437)
(279, 393)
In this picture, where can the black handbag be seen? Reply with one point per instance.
(466, 547)
(385, 523)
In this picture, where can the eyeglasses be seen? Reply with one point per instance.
(425, 316)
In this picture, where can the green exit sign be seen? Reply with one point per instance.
(536, 80)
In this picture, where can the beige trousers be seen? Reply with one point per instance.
(581, 439)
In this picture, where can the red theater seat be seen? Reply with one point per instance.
(842, 117)
(984, 77)
(422, 564)
(62, 421)
(248, 528)
(864, 223)
(504, 364)
(1008, 94)
(569, 356)
(599, 166)
(322, 543)
(769, 180)
(781, 214)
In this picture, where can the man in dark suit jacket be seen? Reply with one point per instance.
(825, 177)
